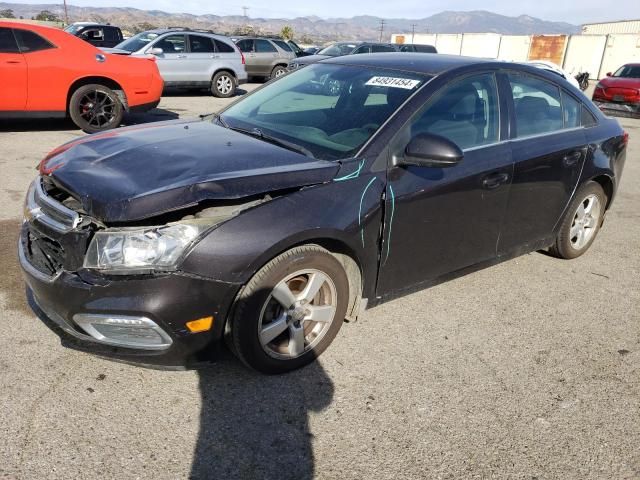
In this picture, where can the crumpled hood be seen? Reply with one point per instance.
(139, 172)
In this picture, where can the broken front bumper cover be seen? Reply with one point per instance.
(625, 109)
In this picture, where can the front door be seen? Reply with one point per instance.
(202, 56)
(439, 220)
(172, 62)
(266, 56)
(549, 149)
(13, 73)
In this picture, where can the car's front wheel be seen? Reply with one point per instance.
(290, 311)
(581, 222)
(95, 108)
(223, 85)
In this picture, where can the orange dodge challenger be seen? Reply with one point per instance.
(46, 72)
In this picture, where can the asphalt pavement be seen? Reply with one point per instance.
(529, 369)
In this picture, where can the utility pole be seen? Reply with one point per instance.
(66, 14)
(413, 32)
(382, 22)
(244, 10)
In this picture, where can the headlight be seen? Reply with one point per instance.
(141, 250)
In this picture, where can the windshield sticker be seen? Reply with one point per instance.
(394, 82)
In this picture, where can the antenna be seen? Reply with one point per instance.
(382, 22)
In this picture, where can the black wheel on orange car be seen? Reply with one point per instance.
(581, 223)
(223, 85)
(95, 108)
(290, 311)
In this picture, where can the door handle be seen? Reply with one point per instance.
(14, 62)
(494, 180)
(182, 56)
(571, 159)
(214, 56)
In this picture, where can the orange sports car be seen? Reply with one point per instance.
(46, 72)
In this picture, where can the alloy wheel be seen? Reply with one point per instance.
(224, 84)
(98, 108)
(585, 222)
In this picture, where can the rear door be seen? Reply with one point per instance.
(248, 48)
(201, 56)
(549, 149)
(13, 73)
(172, 63)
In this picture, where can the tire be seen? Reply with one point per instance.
(223, 85)
(95, 108)
(581, 223)
(277, 71)
(272, 338)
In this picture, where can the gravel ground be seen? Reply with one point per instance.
(529, 369)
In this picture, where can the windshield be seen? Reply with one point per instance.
(138, 41)
(628, 71)
(328, 110)
(338, 49)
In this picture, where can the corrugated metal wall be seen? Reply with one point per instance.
(514, 48)
(584, 54)
(596, 54)
(630, 26)
(485, 45)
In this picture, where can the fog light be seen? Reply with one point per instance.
(124, 331)
(200, 325)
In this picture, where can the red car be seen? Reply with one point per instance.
(619, 93)
(46, 72)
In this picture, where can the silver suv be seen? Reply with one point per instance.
(190, 58)
(266, 57)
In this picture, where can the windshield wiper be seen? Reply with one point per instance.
(257, 133)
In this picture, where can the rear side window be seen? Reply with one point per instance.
(200, 44)
(283, 45)
(407, 48)
(570, 111)
(29, 42)
(224, 47)
(381, 48)
(264, 46)
(246, 46)
(111, 34)
(363, 49)
(537, 105)
(587, 118)
(7, 41)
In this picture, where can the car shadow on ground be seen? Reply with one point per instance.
(190, 92)
(256, 426)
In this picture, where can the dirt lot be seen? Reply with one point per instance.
(529, 369)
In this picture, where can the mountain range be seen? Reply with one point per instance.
(306, 29)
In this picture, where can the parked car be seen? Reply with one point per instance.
(266, 57)
(619, 92)
(94, 89)
(417, 48)
(98, 35)
(311, 50)
(552, 67)
(351, 48)
(191, 58)
(295, 208)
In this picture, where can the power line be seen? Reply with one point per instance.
(382, 22)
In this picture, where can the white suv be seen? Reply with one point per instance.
(190, 58)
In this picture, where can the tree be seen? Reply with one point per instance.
(47, 16)
(8, 13)
(143, 27)
(286, 32)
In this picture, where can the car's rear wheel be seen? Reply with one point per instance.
(582, 222)
(95, 108)
(223, 85)
(290, 311)
(277, 71)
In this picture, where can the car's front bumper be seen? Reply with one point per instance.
(168, 300)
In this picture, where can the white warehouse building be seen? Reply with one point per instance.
(606, 28)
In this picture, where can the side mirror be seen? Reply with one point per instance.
(155, 51)
(608, 74)
(429, 150)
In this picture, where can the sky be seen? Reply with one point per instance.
(572, 11)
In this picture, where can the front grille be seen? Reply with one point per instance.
(44, 254)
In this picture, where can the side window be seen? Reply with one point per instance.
(200, 44)
(465, 112)
(246, 46)
(407, 48)
(264, 46)
(29, 42)
(224, 47)
(363, 49)
(382, 48)
(93, 34)
(171, 44)
(537, 105)
(7, 41)
(570, 111)
(111, 34)
(587, 118)
(283, 45)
